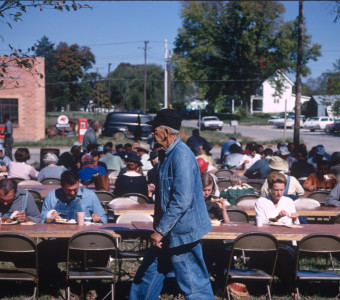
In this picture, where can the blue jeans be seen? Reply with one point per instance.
(189, 267)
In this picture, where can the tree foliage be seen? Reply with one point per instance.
(230, 48)
(12, 11)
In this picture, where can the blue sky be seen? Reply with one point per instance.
(115, 30)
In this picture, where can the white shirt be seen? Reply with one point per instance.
(266, 209)
(251, 160)
(147, 165)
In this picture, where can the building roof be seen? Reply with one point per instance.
(320, 99)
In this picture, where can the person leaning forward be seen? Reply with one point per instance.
(181, 219)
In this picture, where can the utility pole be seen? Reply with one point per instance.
(97, 92)
(169, 78)
(145, 48)
(108, 83)
(166, 74)
(298, 76)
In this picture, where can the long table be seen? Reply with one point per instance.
(322, 211)
(42, 189)
(233, 230)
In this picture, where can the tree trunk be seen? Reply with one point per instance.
(298, 76)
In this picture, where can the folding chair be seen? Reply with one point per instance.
(51, 181)
(37, 198)
(223, 184)
(80, 265)
(319, 196)
(256, 185)
(252, 242)
(140, 198)
(318, 244)
(224, 174)
(104, 198)
(18, 244)
(238, 216)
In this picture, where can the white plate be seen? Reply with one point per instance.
(68, 222)
(12, 223)
(27, 224)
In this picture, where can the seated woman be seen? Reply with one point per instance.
(19, 168)
(51, 170)
(276, 206)
(89, 168)
(204, 152)
(133, 180)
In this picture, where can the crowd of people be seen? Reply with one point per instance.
(187, 195)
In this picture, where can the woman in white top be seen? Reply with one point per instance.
(276, 205)
(19, 168)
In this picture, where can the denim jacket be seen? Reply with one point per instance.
(180, 211)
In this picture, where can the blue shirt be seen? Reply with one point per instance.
(85, 201)
(226, 146)
(260, 168)
(180, 211)
(86, 174)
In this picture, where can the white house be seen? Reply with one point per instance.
(268, 100)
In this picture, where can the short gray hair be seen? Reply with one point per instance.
(172, 131)
(50, 158)
(93, 123)
(235, 180)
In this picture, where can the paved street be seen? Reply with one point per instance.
(260, 133)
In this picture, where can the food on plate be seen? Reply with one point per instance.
(73, 221)
(215, 222)
(7, 220)
(61, 220)
(28, 223)
(213, 200)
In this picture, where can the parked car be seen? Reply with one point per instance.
(280, 123)
(333, 127)
(317, 123)
(122, 125)
(212, 122)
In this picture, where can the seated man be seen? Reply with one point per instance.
(333, 199)
(14, 198)
(248, 159)
(70, 199)
(261, 169)
(4, 160)
(318, 180)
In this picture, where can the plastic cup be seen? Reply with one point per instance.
(259, 222)
(81, 218)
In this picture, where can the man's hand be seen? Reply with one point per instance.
(96, 218)
(283, 213)
(20, 217)
(54, 216)
(156, 240)
(294, 216)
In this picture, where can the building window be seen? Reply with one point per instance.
(9, 106)
(276, 100)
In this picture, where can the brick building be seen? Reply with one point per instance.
(23, 97)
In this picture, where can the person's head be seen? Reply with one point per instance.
(301, 151)
(133, 161)
(320, 152)
(87, 161)
(94, 124)
(276, 163)
(91, 147)
(323, 168)
(22, 155)
(154, 157)
(69, 184)
(277, 185)
(6, 117)
(259, 149)
(166, 126)
(284, 152)
(208, 185)
(235, 180)
(119, 147)
(234, 148)
(252, 150)
(135, 145)
(268, 152)
(279, 145)
(196, 132)
(335, 170)
(141, 151)
(8, 189)
(313, 152)
(127, 147)
(335, 158)
(50, 159)
(108, 148)
(95, 155)
(76, 151)
(291, 147)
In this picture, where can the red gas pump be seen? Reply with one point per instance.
(82, 127)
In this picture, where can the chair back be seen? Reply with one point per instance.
(224, 174)
(319, 196)
(302, 180)
(16, 243)
(320, 243)
(140, 198)
(29, 182)
(256, 185)
(104, 196)
(37, 198)
(134, 216)
(237, 216)
(306, 203)
(223, 184)
(336, 220)
(122, 201)
(92, 241)
(256, 241)
(246, 202)
(51, 181)
(113, 173)
(17, 179)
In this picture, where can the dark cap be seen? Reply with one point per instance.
(167, 117)
(153, 154)
(134, 157)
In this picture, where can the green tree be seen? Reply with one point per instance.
(12, 11)
(230, 48)
(127, 82)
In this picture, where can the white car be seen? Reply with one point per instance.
(280, 123)
(317, 123)
(210, 123)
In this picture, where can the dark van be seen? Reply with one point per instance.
(122, 125)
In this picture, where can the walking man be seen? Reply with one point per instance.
(181, 219)
(90, 136)
(8, 142)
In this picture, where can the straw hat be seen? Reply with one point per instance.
(278, 164)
